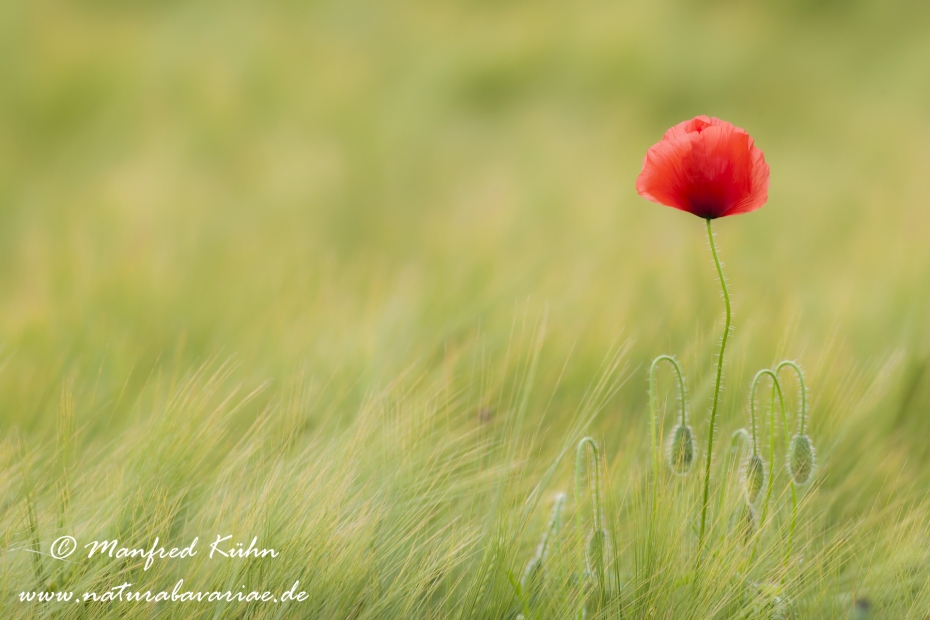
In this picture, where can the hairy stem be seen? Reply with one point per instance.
(652, 407)
(594, 476)
(794, 497)
(787, 434)
(752, 420)
(713, 411)
(777, 391)
(803, 388)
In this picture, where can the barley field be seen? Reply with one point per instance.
(353, 280)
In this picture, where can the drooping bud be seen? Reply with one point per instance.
(681, 449)
(753, 473)
(801, 459)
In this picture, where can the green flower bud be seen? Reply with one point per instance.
(754, 475)
(801, 459)
(681, 449)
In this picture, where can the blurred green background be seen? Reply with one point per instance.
(343, 189)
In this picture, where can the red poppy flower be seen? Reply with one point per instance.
(706, 167)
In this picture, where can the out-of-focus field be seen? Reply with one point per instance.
(331, 195)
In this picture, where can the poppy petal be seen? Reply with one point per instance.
(707, 167)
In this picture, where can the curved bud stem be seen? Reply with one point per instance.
(713, 411)
(595, 548)
(682, 398)
(594, 480)
(752, 399)
(794, 499)
(803, 388)
(752, 412)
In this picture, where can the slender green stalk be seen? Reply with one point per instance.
(794, 499)
(654, 445)
(754, 474)
(803, 388)
(752, 397)
(713, 411)
(787, 434)
(682, 398)
(597, 543)
(581, 467)
(776, 390)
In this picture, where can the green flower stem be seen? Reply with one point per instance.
(794, 494)
(654, 433)
(594, 476)
(776, 389)
(656, 451)
(776, 386)
(590, 467)
(800, 373)
(794, 498)
(713, 411)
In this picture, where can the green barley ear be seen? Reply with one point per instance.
(532, 579)
(779, 608)
(754, 477)
(772, 604)
(801, 459)
(595, 553)
(681, 449)
(746, 522)
(739, 438)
